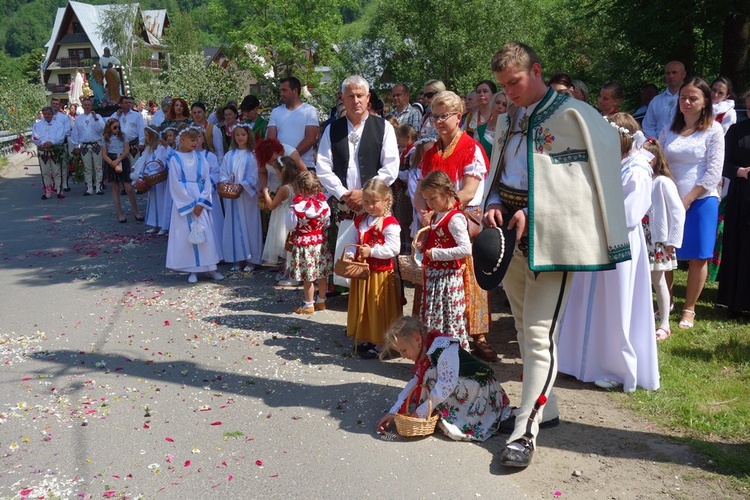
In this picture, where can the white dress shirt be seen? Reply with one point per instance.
(132, 126)
(660, 113)
(87, 129)
(389, 160)
(48, 131)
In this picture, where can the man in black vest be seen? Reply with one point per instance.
(352, 150)
(356, 148)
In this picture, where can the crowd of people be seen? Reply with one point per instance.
(597, 205)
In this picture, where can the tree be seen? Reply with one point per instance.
(190, 78)
(122, 31)
(181, 36)
(279, 35)
(20, 103)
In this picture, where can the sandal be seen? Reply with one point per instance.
(686, 324)
(665, 332)
(484, 351)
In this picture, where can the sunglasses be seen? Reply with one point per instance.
(429, 95)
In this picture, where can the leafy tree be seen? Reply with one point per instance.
(29, 27)
(278, 35)
(190, 78)
(20, 103)
(122, 31)
(182, 36)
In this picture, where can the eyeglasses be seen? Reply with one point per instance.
(429, 95)
(115, 128)
(441, 118)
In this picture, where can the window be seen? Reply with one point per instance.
(63, 78)
(79, 53)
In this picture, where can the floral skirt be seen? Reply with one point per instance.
(310, 263)
(658, 257)
(444, 303)
(474, 410)
(374, 304)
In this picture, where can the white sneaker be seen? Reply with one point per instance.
(192, 278)
(216, 275)
(289, 283)
(234, 268)
(161, 232)
(249, 268)
(151, 231)
(606, 383)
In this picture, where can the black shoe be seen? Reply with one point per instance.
(86, 193)
(509, 424)
(100, 193)
(67, 189)
(45, 197)
(123, 193)
(368, 354)
(60, 196)
(518, 458)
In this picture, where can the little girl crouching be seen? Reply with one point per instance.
(470, 401)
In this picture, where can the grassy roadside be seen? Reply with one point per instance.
(705, 377)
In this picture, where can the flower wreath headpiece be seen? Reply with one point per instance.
(620, 130)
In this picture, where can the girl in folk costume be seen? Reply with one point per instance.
(607, 331)
(308, 217)
(115, 156)
(152, 160)
(190, 186)
(217, 214)
(445, 249)
(274, 250)
(243, 238)
(464, 391)
(464, 161)
(376, 301)
(663, 227)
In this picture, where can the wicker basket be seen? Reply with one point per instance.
(230, 190)
(409, 269)
(407, 426)
(156, 178)
(351, 269)
(141, 186)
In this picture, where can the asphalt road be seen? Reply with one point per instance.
(121, 380)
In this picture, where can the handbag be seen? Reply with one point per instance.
(197, 233)
(473, 220)
(351, 269)
(410, 266)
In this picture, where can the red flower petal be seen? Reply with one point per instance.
(109, 494)
(169, 440)
(26, 491)
(215, 423)
(259, 463)
(230, 477)
(166, 323)
(187, 463)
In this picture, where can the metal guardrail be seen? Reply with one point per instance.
(7, 140)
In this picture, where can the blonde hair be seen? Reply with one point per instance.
(403, 327)
(660, 166)
(439, 181)
(379, 188)
(437, 85)
(514, 55)
(307, 183)
(449, 99)
(626, 121)
(406, 130)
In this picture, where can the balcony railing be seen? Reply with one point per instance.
(57, 88)
(152, 64)
(76, 62)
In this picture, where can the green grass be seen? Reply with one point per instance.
(705, 377)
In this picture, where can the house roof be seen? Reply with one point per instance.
(90, 17)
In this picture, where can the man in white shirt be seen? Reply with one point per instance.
(356, 148)
(131, 124)
(49, 135)
(662, 108)
(294, 122)
(67, 123)
(87, 139)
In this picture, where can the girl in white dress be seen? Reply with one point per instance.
(169, 143)
(217, 214)
(607, 333)
(152, 160)
(663, 226)
(243, 238)
(190, 187)
(273, 250)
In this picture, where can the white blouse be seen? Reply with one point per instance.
(695, 160)
(666, 217)
(459, 229)
(476, 168)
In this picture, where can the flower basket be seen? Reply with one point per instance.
(407, 426)
(230, 190)
(410, 266)
(351, 269)
(155, 178)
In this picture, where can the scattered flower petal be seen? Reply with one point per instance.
(169, 439)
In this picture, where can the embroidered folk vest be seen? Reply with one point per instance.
(368, 155)
(374, 236)
(441, 237)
